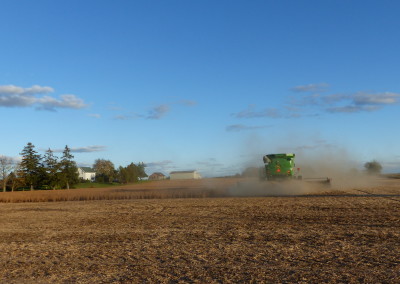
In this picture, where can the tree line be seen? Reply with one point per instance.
(37, 171)
(106, 172)
(48, 171)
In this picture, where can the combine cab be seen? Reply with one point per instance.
(282, 167)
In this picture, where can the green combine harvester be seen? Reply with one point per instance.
(283, 167)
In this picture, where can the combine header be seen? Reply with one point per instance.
(282, 167)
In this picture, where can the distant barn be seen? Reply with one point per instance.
(185, 175)
(157, 176)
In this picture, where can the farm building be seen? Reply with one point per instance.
(157, 176)
(185, 175)
(86, 173)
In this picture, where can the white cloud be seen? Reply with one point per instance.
(65, 101)
(14, 96)
(15, 90)
(376, 99)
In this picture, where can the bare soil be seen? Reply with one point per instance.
(351, 235)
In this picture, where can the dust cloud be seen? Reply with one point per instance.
(339, 166)
(315, 163)
(254, 187)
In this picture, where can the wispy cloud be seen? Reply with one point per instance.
(125, 117)
(165, 166)
(158, 112)
(159, 164)
(352, 109)
(319, 87)
(114, 107)
(87, 149)
(209, 163)
(162, 110)
(342, 103)
(362, 102)
(315, 145)
(241, 127)
(94, 115)
(308, 100)
(212, 168)
(250, 112)
(208, 167)
(188, 102)
(286, 111)
(391, 166)
(376, 99)
(14, 96)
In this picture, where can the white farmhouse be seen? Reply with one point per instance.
(86, 173)
(184, 175)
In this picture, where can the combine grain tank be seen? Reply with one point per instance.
(280, 166)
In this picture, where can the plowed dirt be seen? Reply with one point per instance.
(346, 236)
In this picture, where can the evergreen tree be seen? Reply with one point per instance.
(69, 170)
(52, 168)
(30, 165)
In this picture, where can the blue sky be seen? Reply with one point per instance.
(206, 85)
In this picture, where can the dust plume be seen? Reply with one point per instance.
(255, 187)
(338, 165)
(315, 164)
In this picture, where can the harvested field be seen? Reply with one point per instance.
(148, 190)
(349, 236)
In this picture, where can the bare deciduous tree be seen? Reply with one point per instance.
(6, 166)
(104, 170)
(15, 178)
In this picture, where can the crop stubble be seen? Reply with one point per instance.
(316, 238)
